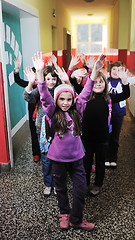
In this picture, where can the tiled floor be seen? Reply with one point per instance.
(26, 214)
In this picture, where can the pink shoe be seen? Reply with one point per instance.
(93, 168)
(84, 225)
(64, 221)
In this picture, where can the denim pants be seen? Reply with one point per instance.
(79, 188)
(47, 169)
(99, 149)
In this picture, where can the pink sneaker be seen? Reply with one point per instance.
(84, 225)
(64, 221)
(93, 168)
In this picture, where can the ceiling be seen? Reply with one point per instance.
(81, 8)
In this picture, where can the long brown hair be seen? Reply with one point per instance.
(105, 92)
(61, 124)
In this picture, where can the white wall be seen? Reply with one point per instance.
(132, 100)
(30, 38)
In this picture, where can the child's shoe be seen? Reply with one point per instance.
(95, 190)
(84, 225)
(36, 158)
(93, 168)
(47, 191)
(64, 221)
(54, 190)
(107, 164)
(113, 164)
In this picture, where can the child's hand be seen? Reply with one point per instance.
(82, 58)
(97, 66)
(54, 59)
(74, 61)
(123, 75)
(30, 75)
(49, 62)
(38, 61)
(100, 62)
(17, 64)
(62, 75)
(79, 73)
(90, 62)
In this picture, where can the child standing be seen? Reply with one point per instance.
(31, 108)
(95, 127)
(30, 96)
(66, 150)
(118, 113)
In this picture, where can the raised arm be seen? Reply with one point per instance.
(18, 80)
(123, 75)
(38, 63)
(74, 61)
(45, 96)
(97, 66)
(29, 94)
(86, 93)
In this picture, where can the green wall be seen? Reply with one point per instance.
(16, 101)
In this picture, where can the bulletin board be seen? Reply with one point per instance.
(13, 49)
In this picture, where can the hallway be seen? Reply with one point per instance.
(27, 214)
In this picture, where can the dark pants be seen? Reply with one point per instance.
(100, 154)
(114, 139)
(34, 137)
(78, 176)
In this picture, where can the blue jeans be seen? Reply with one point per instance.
(47, 169)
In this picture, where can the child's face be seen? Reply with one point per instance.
(114, 72)
(64, 101)
(99, 85)
(50, 81)
(79, 80)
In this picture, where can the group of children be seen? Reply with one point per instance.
(76, 118)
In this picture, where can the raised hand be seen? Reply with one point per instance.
(30, 75)
(62, 75)
(38, 61)
(97, 66)
(90, 62)
(79, 73)
(17, 64)
(74, 61)
(100, 62)
(123, 75)
(49, 62)
(82, 58)
(54, 59)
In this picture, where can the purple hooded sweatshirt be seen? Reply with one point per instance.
(66, 147)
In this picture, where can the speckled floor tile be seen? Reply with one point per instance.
(26, 214)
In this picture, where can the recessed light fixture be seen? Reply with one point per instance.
(90, 14)
(89, 0)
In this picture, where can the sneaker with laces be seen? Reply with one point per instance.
(64, 221)
(84, 225)
(47, 191)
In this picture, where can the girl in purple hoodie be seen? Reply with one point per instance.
(66, 150)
